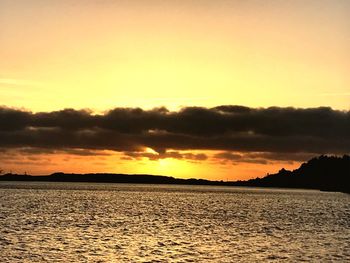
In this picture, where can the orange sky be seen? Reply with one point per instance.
(105, 54)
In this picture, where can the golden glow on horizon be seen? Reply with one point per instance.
(112, 162)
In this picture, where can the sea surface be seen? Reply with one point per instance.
(87, 222)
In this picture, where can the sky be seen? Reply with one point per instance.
(138, 86)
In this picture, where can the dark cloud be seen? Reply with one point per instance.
(73, 151)
(12, 119)
(272, 131)
(236, 158)
(262, 157)
(298, 157)
(168, 154)
(229, 156)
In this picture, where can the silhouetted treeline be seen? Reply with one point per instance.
(109, 178)
(327, 173)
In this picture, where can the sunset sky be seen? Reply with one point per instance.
(73, 73)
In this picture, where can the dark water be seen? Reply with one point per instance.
(77, 222)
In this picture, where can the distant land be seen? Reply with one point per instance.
(326, 173)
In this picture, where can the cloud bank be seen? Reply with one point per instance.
(261, 133)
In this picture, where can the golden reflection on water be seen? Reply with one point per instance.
(149, 223)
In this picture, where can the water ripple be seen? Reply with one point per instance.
(51, 222)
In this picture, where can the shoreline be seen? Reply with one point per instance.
(144, 179)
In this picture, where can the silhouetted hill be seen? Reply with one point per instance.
(109, 178)
(327, 173)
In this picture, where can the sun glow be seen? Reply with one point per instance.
(163, 162)
(150, 150)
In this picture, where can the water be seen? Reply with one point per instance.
(79, 222)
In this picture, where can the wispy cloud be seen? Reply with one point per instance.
(19, 82)
(335, 94)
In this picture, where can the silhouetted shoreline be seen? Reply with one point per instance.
(326, 173)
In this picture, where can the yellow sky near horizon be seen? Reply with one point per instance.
(105, 54)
